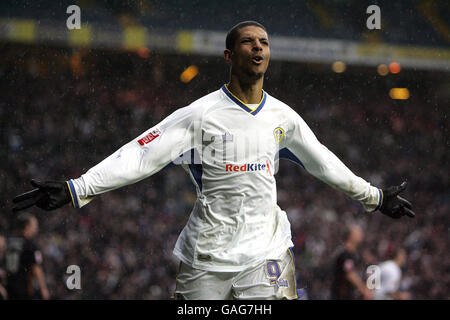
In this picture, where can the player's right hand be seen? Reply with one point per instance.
(48, 195)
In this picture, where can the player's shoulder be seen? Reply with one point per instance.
(276, 105)
(208, 100)
(194, 110)
(200, 106)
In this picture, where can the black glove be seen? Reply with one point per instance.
(395, 206)
(49, 195)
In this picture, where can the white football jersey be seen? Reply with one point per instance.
(230, 150)
(391, 275)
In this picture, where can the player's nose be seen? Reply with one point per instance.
(257, 46)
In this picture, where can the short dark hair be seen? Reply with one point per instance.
(233, 33)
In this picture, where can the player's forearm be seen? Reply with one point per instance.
(356, 281)
(126, 166)
(335, 173)
(326, 166)
(138, 159)
(40, 278)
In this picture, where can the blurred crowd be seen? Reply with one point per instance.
(63, 111)
(418, 22)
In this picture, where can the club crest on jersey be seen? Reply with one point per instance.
(278, 134)
(149, 137)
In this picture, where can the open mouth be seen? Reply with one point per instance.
(257, 60)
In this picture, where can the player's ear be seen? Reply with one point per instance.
(227, 54)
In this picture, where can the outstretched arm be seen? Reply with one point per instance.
(324, 165)
(138, 159)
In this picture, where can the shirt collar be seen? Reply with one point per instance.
(244, 106)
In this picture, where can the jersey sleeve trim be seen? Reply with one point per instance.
(73, 194)
(380, 201)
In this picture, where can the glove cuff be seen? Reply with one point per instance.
(380, 202)
(72, 194)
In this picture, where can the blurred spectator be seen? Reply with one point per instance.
(391, 276)
(23, 261)
(347, 284)
(3, 293)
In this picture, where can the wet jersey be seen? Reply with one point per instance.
(230, 150)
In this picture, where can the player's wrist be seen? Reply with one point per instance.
(381, 199)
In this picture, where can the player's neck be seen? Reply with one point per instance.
(249, 93)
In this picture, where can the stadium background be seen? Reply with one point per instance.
(70, 98)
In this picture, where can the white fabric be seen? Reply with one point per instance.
(391, 275)
(269, 280)
(235, 222)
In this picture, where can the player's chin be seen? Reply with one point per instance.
(257, 73)
(262, 68)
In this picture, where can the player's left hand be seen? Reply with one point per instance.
(395, 206)
(48, 195)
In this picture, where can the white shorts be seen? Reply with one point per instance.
(271, 279)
